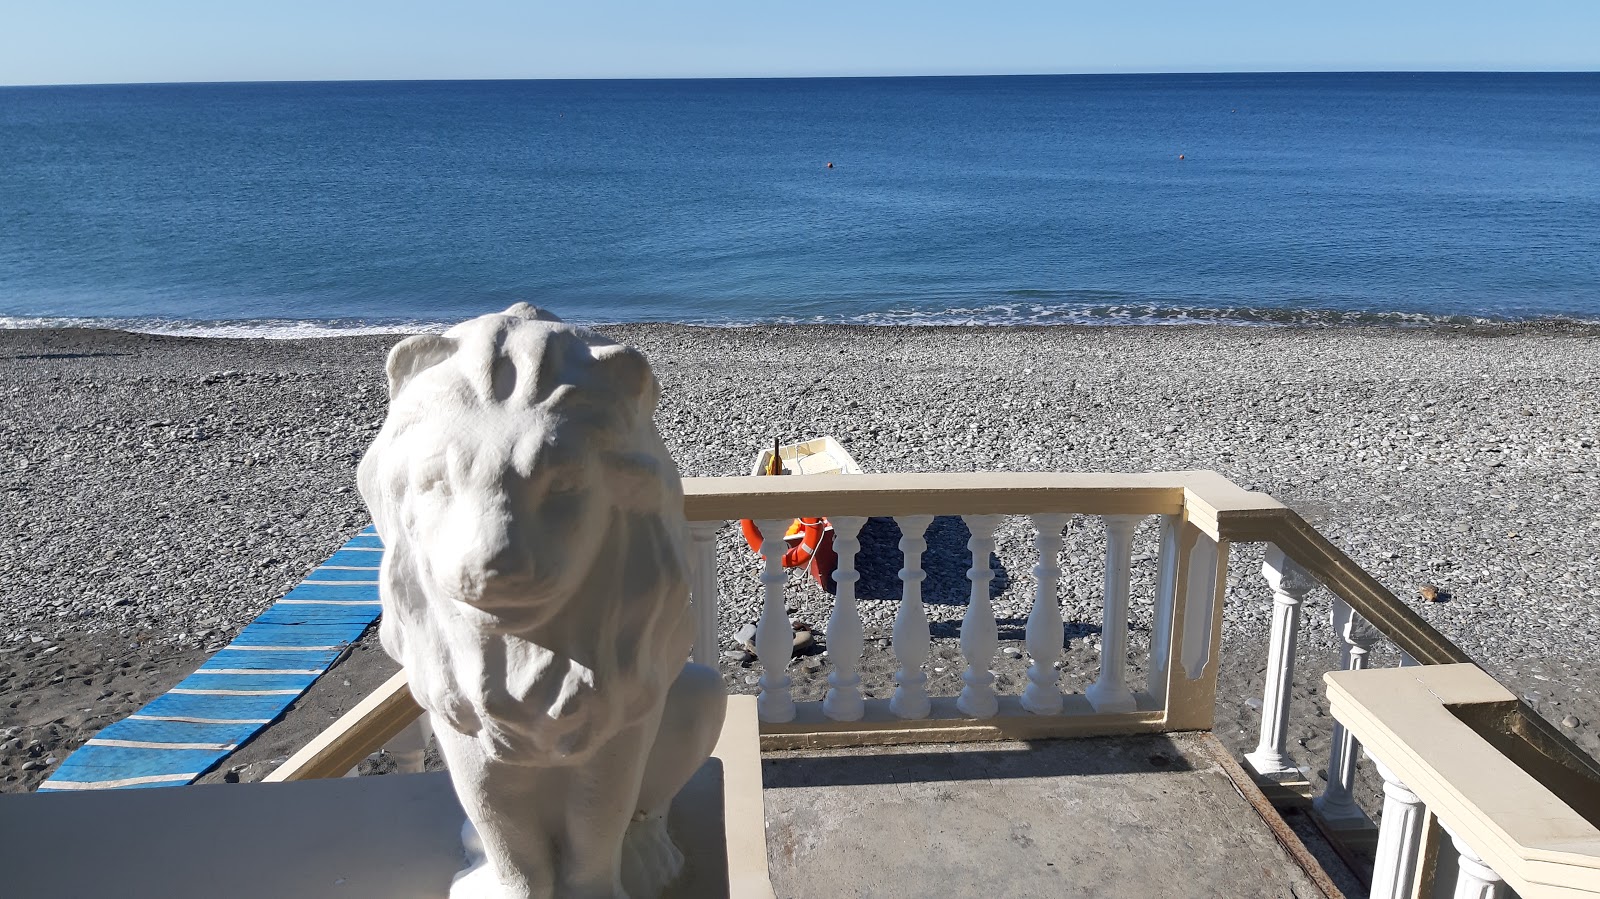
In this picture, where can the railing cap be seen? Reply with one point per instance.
(1526, 833)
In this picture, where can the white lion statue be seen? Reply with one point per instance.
(534, 587)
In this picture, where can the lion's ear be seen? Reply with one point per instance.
(415, 355)
(532, 313)
(626, 372)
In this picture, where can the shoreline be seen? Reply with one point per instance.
(157, 492)
(284, 330)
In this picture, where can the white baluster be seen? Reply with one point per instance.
(911, 639)
(1474, 879)
(774, 634)
(1290, 583)
(1336, 804)
(845, 637)
(1109, 692)
(1167, 598)
(1399, 839)
(980, 638)
(703, 589)
(408, 748)
(1200, 605)
(1043, 694)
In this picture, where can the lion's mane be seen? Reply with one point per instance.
(534, 580)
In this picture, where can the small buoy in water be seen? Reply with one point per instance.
(830, 165)
(1180, 155)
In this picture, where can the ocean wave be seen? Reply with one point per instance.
(990, 315)
(261, 329)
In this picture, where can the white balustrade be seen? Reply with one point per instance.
(1044, 632)
(1200, 605)
(774, 634)
(1474, 879)
(409, 746)
(1336, 803)
(980, 637)
(1166, 602)
(1109, 692)
(1290, 583)
(846, 640)
(912, 642)
(1399, 839)
(703, 589)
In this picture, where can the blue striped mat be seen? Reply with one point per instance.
(240, 689)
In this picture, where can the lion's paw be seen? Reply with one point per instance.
(650, 860)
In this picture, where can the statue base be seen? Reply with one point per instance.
(356, 838)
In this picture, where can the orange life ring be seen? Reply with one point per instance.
(804, 533)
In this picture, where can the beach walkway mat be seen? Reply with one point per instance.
(239, 690)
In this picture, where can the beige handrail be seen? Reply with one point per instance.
(1349, 581)
(1206, 500)
(971, 493)
(357, 734)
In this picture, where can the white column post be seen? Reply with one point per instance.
(1167, 599)
(1290, 583)
(409, 746)
(1399, 839)
(1043, 693)
(774, 633)
(845, 637)
(1474, 879)
(979, 635)
(1208, 567)
(1336, 803)
(1110, 693)
(703, 589)
(911, 639)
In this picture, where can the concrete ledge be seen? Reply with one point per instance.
(391, 837)
(1414, 720)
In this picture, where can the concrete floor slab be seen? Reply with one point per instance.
(1145, 816)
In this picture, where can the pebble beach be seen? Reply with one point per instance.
(158, 492)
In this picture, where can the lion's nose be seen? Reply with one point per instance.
(488, 567)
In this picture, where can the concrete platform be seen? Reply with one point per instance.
(1143, 816)
(392, 837)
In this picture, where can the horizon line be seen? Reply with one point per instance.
(1095, 74)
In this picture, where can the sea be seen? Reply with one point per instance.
(294, 209)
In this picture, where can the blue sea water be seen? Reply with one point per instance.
(293, 207)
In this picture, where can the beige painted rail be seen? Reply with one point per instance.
(1450, 747)
(1199, 508)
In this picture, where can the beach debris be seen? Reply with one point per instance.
(1429, 593)
(805, 638)
(1570, 721)
(745, 637)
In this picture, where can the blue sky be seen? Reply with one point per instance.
(73, 41)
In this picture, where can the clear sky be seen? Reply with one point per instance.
(94, 41)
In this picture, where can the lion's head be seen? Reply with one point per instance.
(534, 579)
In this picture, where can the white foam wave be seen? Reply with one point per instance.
(990, 315)
(262, 329)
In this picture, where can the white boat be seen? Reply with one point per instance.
(810, 540)
(819, 455)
